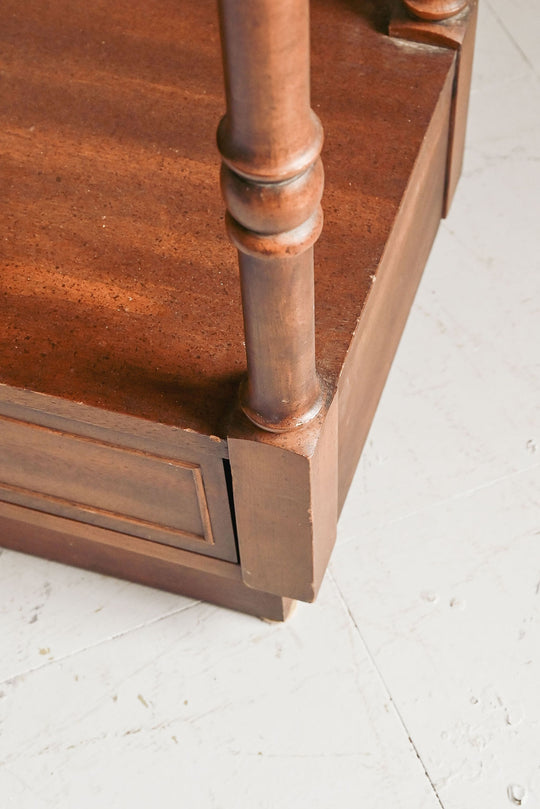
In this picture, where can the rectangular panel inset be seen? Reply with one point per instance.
(127, 490)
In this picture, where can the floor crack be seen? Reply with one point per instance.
(386, 688)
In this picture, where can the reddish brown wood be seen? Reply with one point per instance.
(272, 182)
(466, 35)
(435, 9)
(399, 272)
(142, 318)
(131, 558)
(133, 143)
(285, 493)
(154, 496)
(457, 33)
(131, 476)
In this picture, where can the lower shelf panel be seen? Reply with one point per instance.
(108, 470)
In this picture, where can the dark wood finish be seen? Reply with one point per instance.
(134, 143)
(151, 495)
(130, 335)
(143, 479)
(457, 33)
(435, 9)
(399, 272)
(285, 493)
(118, 286)
(465, 35)
(131, 558)
(272, 182)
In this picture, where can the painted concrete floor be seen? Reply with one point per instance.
(414, 682)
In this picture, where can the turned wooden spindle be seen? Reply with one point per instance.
(272, 182)
(435, 9)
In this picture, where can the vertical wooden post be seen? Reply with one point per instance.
(272, 182)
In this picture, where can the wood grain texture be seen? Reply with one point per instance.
(461, 102)
(137, 560)
(121, 473)
(435, 9)
(175, 357)
(285, 494)
(272, 182)
(94, 422)
(383, 319)
(457, 33)
(112, 220)
(445, 508)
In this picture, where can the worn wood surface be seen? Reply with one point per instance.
(385, 191)
(412, 695)
(126, 474)
(434, 9)
(134, 559)
(457, 33)
(120, 488)
(272, 182)
(112, 220)
(286, 504)
(372, 350)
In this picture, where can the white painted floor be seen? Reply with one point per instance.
(414, 682)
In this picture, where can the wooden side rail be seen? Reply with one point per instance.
(272, 182)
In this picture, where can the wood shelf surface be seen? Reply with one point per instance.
(118, 287)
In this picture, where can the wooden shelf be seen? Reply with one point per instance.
(119, 289)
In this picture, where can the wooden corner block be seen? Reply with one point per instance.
(286, 505)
